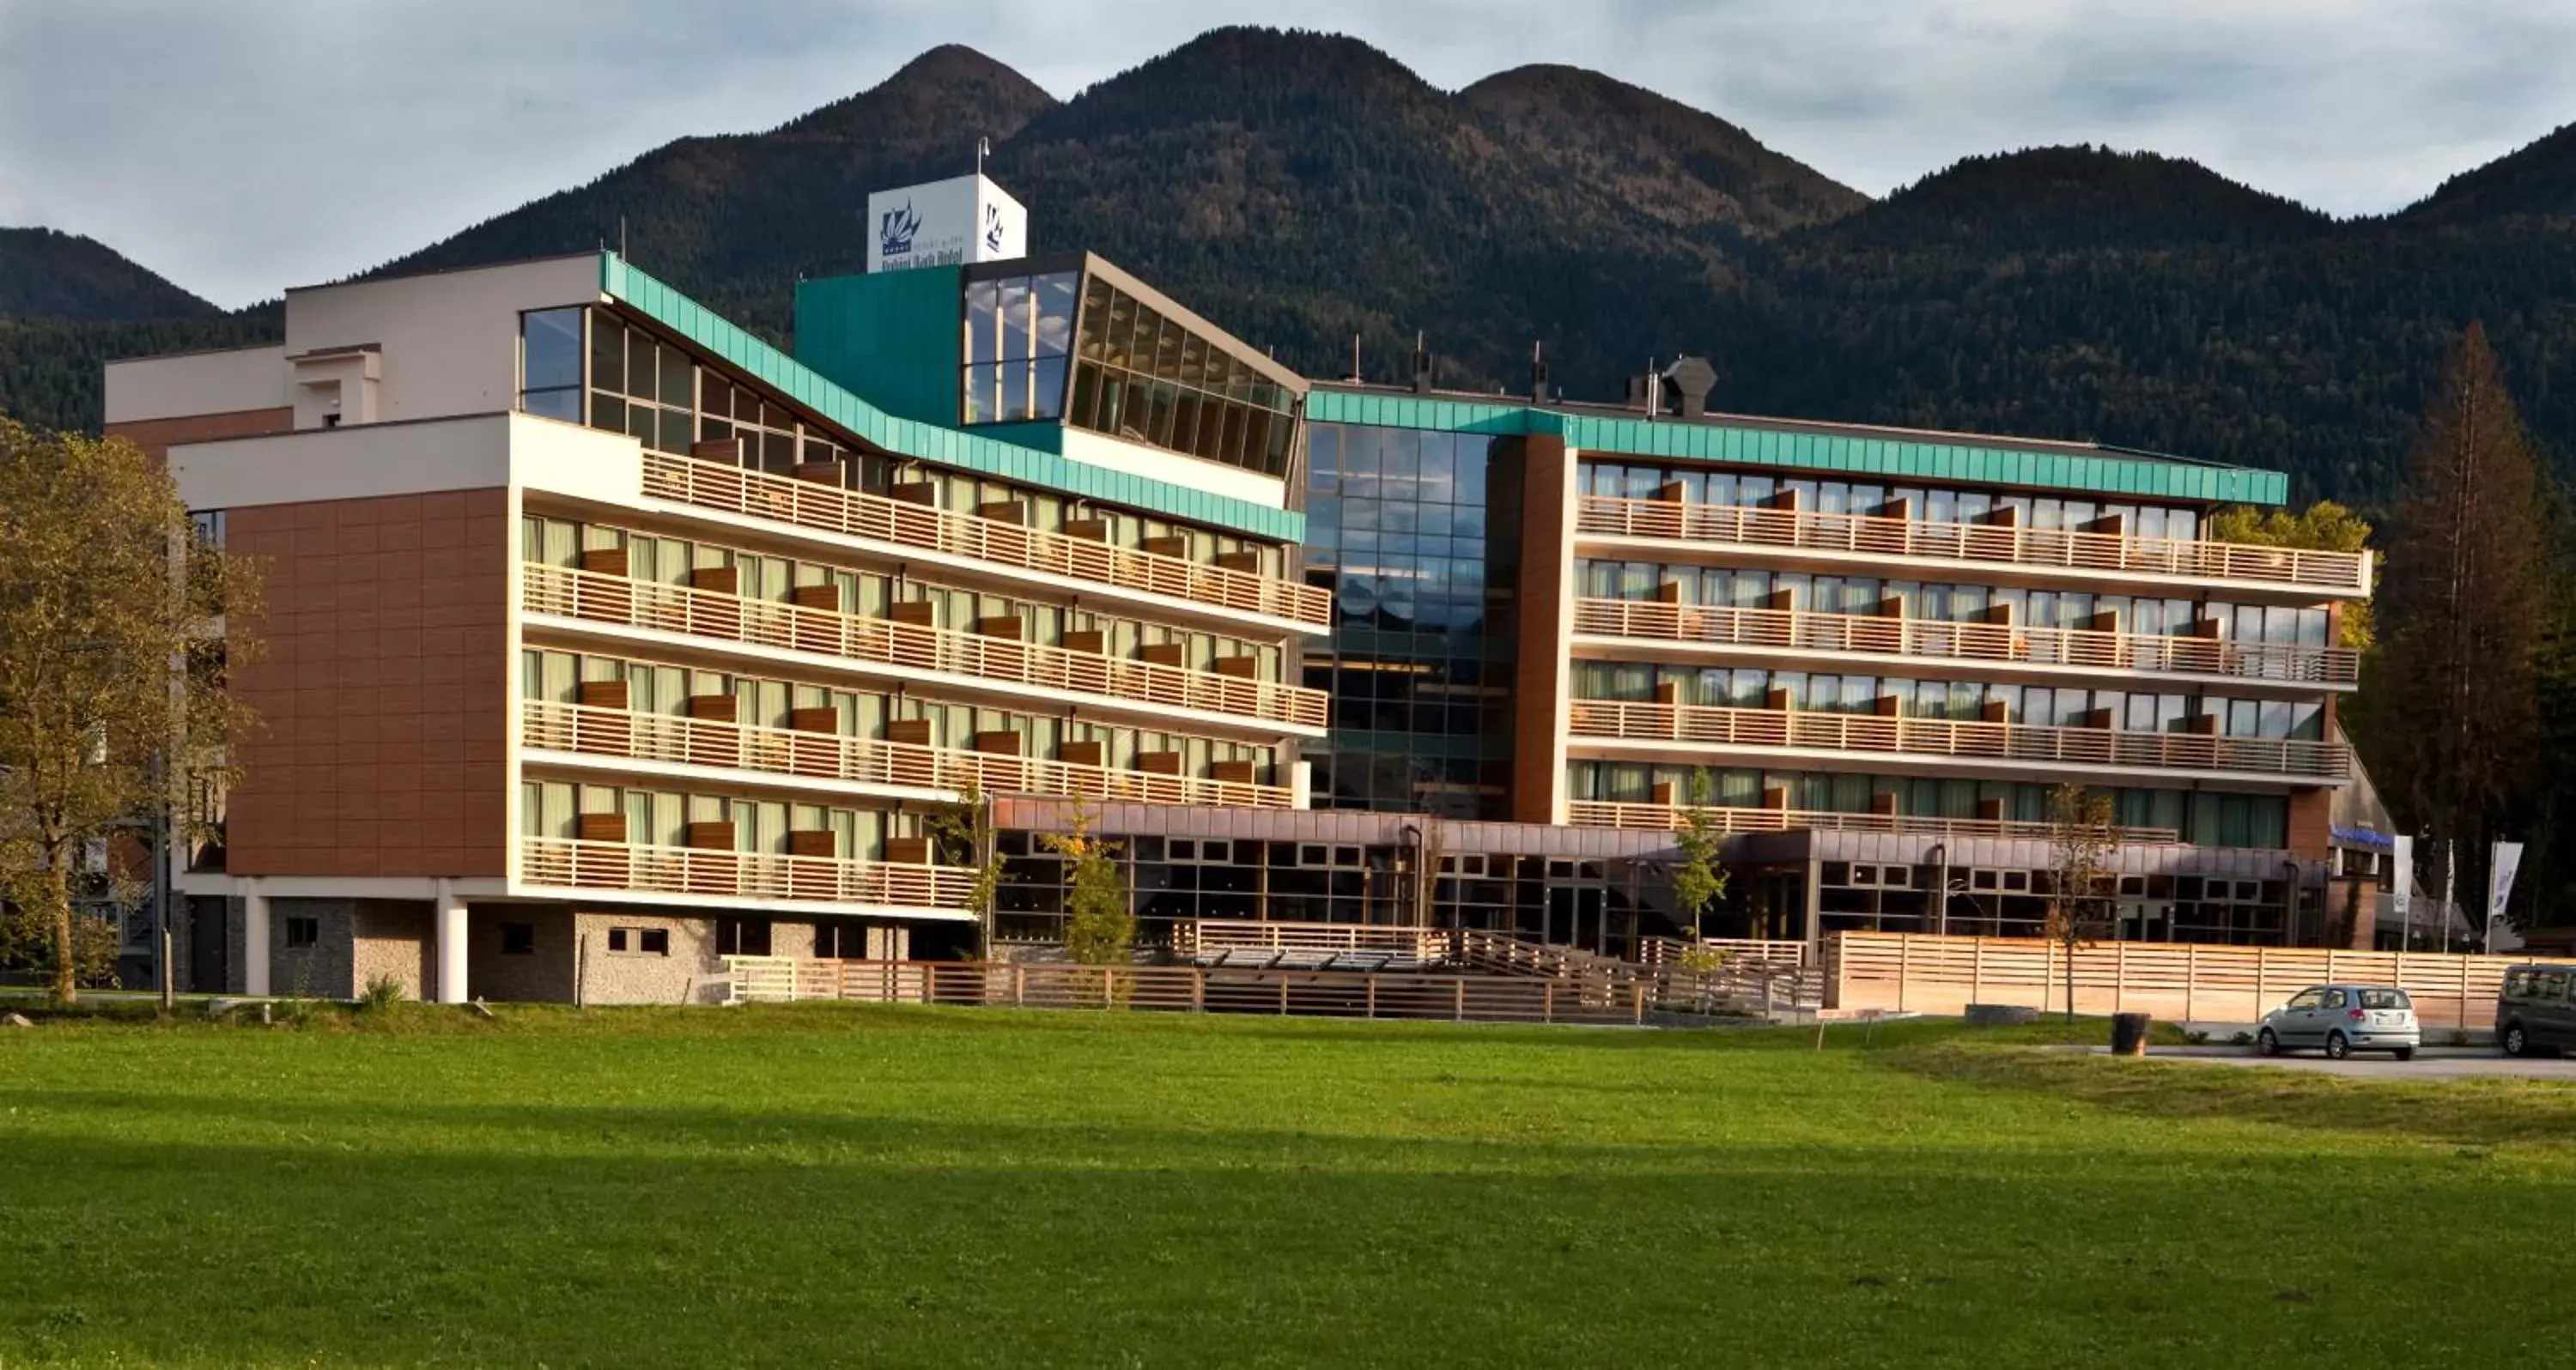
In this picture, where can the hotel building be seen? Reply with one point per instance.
(601, 637)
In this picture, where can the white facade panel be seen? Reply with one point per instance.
(450, 341)
(1153, 463)
(195, 383)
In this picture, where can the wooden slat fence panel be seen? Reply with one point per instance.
(2178, 982)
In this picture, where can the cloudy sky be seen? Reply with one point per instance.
(240, 146)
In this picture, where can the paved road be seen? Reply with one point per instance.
(2431, 1063)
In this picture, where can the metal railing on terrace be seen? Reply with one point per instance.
(601, 598)
(567, 863)
(2342, 573)
(557, 726)
(857, 513)
(1935, 639)
(2268, 757)
(1604, 813)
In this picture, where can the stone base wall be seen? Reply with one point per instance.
(397, 938)
(324, 970)
(544, 974)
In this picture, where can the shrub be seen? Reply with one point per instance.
(383, 992)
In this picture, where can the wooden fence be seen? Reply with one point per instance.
(2180, 982)
(1182, 989)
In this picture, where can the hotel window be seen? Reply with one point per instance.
(303, 933)
(1146, 378)
(1018, 332)
(550, 363)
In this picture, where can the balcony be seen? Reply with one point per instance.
(664, 738)
(566, 864)
(858, 514)
(2044, 555)
(1994, 648)
(1593, 813)
(2005, 747)
(909, 648)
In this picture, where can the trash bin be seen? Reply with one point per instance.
(2129, 1034)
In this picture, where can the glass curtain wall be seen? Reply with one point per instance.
(1146, 378)
(1018, 331)
(1421, 657)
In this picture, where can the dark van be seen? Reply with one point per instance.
(2534, 1013)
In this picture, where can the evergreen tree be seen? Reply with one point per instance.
(2461, 600)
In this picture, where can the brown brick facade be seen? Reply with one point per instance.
(1538, 696)
(157, 436)
(381, 696)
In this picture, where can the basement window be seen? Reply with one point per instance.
(640, 941)
(518, 939)
(302, 933)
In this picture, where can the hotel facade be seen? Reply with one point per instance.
(603, 638)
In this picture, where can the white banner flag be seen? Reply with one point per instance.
(2508, 860)
(2401, 885)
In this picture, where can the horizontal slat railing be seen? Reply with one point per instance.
(1871, 535)
(1254, 934)
(565, 863)
(556, 726)
(1597, 813)
(857, 513)
(1189, 989)
(1800, 630)
(2178, 981)
(2283, 758)
(704, 613)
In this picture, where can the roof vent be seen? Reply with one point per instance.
(1693, 377)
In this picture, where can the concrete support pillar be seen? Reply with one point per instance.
(255, 949)
(449, 914)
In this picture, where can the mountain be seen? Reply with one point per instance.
(2057, 199)
(736, 219)
(1691, 170)
(1301, 189)
(2538, 179)
(62, 276)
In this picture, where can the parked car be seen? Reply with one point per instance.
(2343, 1019)
(2535, 1011)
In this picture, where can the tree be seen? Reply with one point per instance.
(1698, 879)
(961, 832)
(2080, 842)
(2455, 717)
(2324, 526)
(113, 650)
(1099, 918)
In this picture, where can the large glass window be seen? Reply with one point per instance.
(1145, 378)
(550, 350)
(1018, 330)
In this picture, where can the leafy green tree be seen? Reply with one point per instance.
(1100, 918)
(113, 651)
(1698, 879)
(2324, 526)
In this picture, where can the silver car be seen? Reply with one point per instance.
(2343, 1019)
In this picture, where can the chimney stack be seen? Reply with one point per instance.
(1538, 374)
(1693, 378)
(1421, 366)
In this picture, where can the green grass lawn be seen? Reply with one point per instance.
(822, 1185)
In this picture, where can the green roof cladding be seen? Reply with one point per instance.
(1886, 453)
(924, 441)
(893, 336)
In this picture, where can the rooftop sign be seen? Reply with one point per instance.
(956, 222)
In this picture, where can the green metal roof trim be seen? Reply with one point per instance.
(1892, 456)
(630, 286)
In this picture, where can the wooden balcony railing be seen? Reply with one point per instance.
(563, 863)
(704, 613)
(856, 513)
(2001, 644)
(1598, 813)
(2340, 573)
(557, 726)
(2268, 757)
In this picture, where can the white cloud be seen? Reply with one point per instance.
(243, 147)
